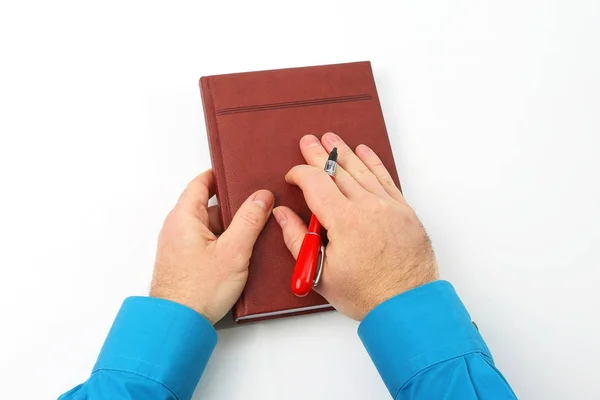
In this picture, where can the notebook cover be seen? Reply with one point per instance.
(254, 122)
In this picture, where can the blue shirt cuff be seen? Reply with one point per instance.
(160, 340)
(416, 330)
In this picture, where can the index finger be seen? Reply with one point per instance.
(320, 192)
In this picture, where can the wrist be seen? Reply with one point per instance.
(388, 291)
(193, 304)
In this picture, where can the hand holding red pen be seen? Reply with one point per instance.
(309, 262)
(377, 246)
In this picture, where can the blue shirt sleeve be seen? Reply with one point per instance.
(425, 346)
(156, 350)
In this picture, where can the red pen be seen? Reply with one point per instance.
(311, 256)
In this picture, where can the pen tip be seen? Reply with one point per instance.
(333, 155)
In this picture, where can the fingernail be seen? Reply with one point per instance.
(264, 199)
(363, 149)
(331, 137)
(309, 140)
(279, 217)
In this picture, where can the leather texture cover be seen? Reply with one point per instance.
(254, 122)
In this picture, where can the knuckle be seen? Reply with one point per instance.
(232, 254)
(376, 163)
(361, 171)
(382, 204)
(251, 219)
(318, 151)
(300, 172)
(294, 242)
(298, 168)
(379, 206)
(387, 181)
(345, 151)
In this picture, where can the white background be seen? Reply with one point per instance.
(493, 108)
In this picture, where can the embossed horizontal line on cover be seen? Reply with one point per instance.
(291, 104)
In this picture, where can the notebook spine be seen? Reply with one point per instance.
(216, 156)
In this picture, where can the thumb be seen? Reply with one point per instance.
(293, 228)
(248, 222)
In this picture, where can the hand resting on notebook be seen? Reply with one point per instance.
(195, 268)
(377, 246)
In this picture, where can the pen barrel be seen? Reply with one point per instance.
(314, 225)
(305, 270)
(303, 276)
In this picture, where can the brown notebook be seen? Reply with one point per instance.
(254, 122)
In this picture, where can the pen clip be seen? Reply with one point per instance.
(320, 263)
